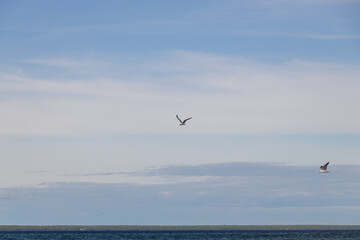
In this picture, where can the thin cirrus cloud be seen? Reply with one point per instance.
(240, 169)
(240, 95)
(334, 36)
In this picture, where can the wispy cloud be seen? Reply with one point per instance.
(242, 170)
(334, 36)
(59, 62)
(225, 93)
(265, 17)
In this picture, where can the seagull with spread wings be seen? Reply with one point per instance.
(323, 168)
(182, 122)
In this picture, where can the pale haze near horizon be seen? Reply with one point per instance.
(89, 91)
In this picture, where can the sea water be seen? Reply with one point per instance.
(162, 235)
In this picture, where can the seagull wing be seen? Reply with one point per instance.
(325, 166)
(187, 119)
(179, 119)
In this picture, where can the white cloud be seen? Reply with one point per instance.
(224, 94)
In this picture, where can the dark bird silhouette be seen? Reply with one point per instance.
(323, 168)
(182, 122)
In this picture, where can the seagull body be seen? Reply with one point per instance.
(323, 168)
(182, 122)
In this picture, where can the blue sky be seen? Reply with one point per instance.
(89, 91)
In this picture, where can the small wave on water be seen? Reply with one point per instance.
(177, 235)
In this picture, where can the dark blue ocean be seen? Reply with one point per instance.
(162, 235)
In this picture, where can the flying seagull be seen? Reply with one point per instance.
(182, 122)
(323, 168)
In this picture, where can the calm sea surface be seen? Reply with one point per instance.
(159, 235)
